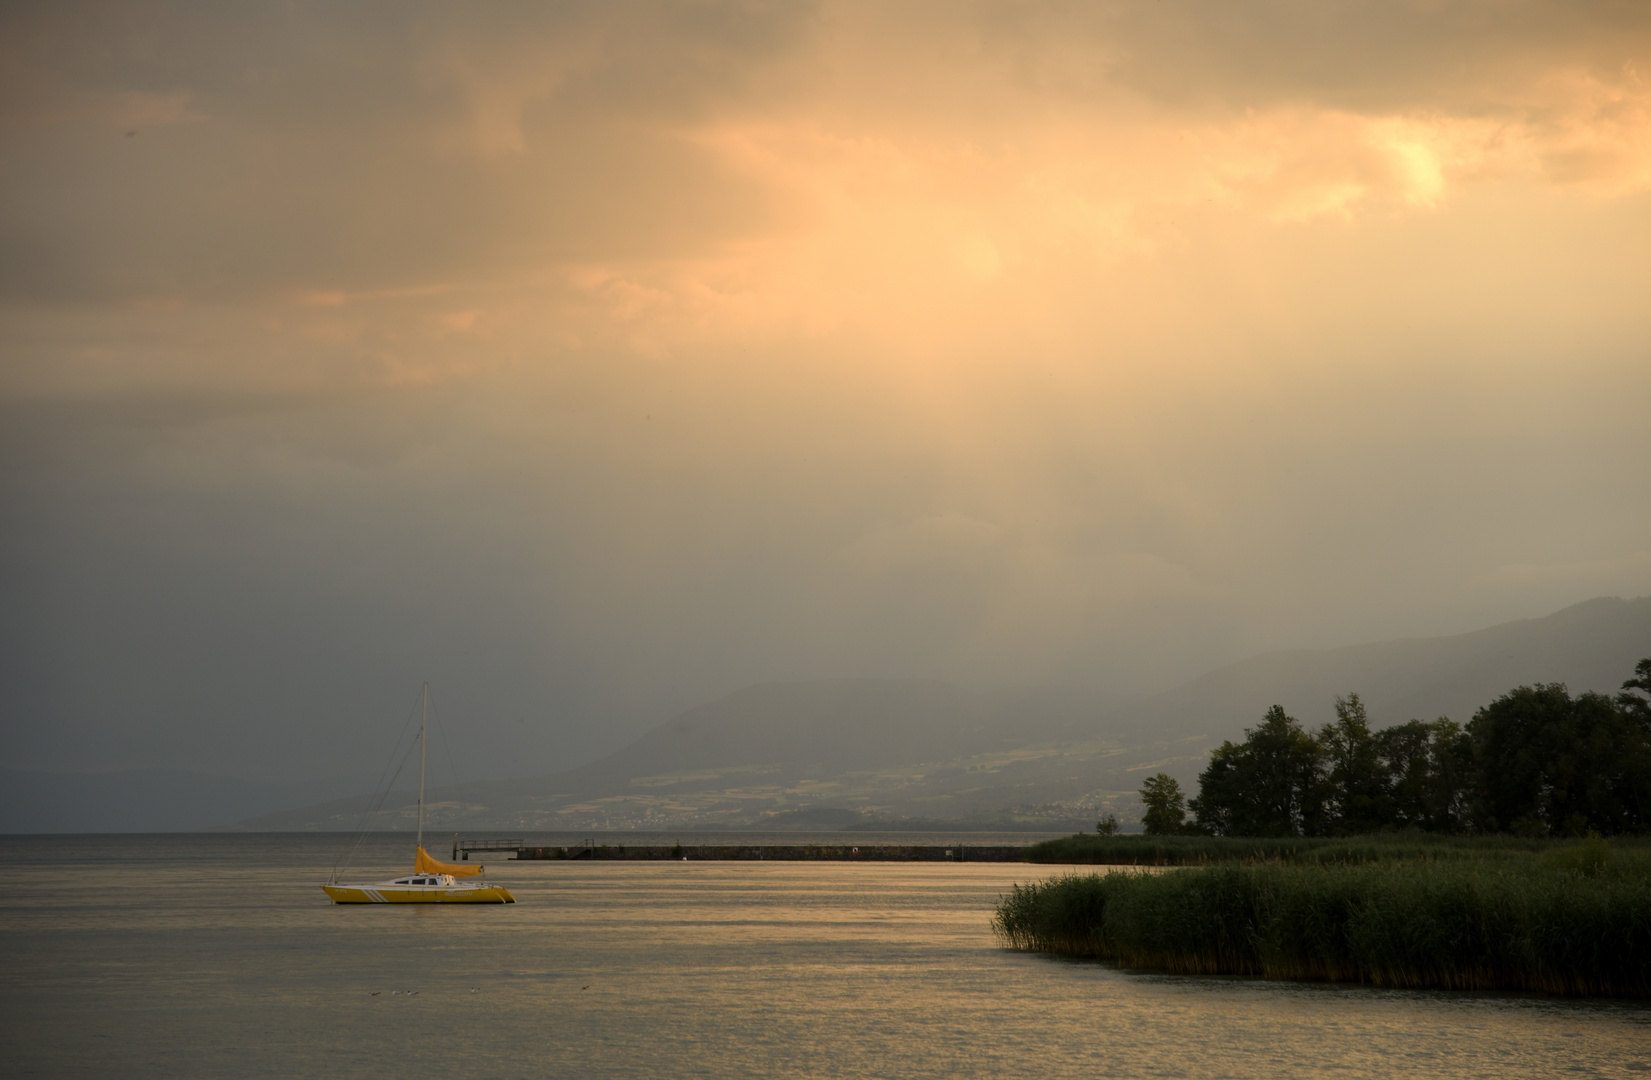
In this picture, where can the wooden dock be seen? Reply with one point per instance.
(754, 852)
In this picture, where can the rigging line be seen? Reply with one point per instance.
(412, 712)
(361, 836)
(366, 815)
(441, 729)
(372, 808)
(374, 805)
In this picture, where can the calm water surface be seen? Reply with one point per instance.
(219, 956)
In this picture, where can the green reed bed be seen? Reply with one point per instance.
(1569, 922)
(1138, 850)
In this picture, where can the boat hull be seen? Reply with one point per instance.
(418, 894)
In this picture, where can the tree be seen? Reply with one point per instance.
(1636, 713)
(1630, 701)
(1429, 767)
(1219, 805)
(1271, 784)
(1166, 811)
(1512, 742)
(1535, 761)
(1357, 789)
(1107, 826)
(1547, 763)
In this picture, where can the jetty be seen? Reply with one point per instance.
(702, 852)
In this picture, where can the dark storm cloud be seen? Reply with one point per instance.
(595, 360)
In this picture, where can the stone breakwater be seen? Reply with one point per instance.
(794, 852)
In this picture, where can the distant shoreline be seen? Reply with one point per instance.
(779, 852)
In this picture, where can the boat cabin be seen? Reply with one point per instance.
(425, 879)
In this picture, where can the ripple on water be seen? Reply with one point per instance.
(219, 956)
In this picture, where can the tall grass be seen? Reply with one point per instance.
(1140, 850)
(1570, 922)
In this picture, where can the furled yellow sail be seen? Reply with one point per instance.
(424, 864)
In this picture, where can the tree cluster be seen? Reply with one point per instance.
(1536, 761)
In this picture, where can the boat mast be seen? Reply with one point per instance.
(423, 743)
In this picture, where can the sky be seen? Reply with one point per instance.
(593, 361)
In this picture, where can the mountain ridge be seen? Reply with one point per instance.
(879, 747)
(904, 749)
(1445, 675)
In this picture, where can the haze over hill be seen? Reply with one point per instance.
(595, 361)
(842, 751)
(1588, 646)
(839, 752)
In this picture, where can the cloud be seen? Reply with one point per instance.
(615, 356)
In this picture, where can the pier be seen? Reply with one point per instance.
(701, 852)
(463, 848)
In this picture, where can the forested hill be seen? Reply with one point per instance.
(831, 727)
(1589, 646)
(912, 749)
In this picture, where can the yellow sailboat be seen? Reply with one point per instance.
(432, 881)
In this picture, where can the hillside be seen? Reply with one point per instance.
(852, 750)
(879, 748)
(1589, 646)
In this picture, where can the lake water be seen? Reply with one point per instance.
(219, 956)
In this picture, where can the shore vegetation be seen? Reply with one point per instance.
(1535, 762)
(1570, 919)
(1136, 849)
(1426, 854)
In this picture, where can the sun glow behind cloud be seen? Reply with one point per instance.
(1084, 342)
